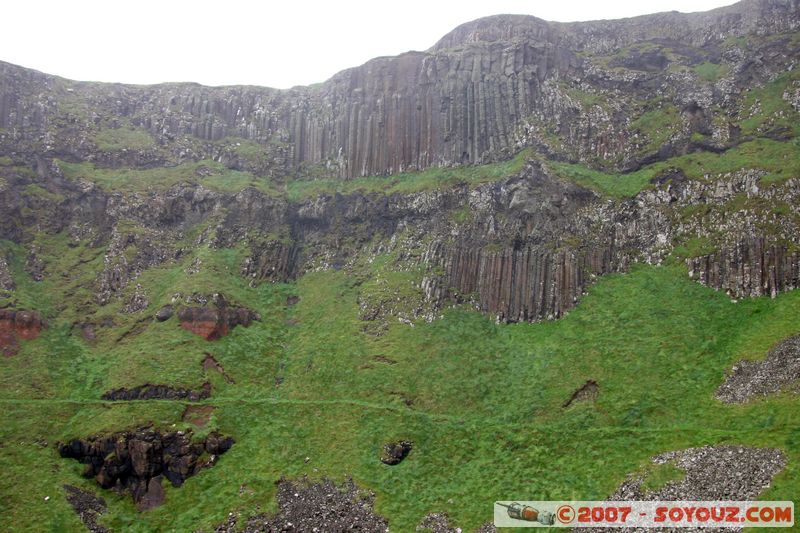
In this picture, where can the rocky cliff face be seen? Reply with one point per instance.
(145, 175)
(481, 93)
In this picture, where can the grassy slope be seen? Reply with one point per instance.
(485, 412)
(486, 416)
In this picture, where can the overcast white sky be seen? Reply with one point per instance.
(276, 44)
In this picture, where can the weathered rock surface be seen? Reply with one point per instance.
(16, 325)
(719, 473)
(523, 248)
(484, 90)
(752, 267)
(779, 371)
(165, 313)
(158, 392)
(306, 507)
(215, 321)
(199, 415)
(6, 280)
(394, 452)
(88, 507)
(136, 461)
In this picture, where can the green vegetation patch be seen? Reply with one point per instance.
(711, 72)
(208, 173)
(657, 125)
(409, 182)
(123, 138)
(764, 109)
(314, 394)
(780, 159)
(36, 191)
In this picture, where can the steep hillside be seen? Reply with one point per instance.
(521, 264)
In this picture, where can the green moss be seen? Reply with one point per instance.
(472, 395)
(694, 247)
(6, 161)
(36, 191)
(123, 138)
(408, 182)
(711, 72)
(657, 125)
(207, 173)
(461, 215)
(764, 109)
(781, 161)
(607, 184)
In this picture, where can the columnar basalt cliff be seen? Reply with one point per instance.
(134, 170)
(750, 268)
(481, 93)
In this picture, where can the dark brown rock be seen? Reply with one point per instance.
(753, 267)
(215, 321)
(165, 313)
(199, 415)
(209, 363)
(153, 496)
(395, 452)
(131, 460)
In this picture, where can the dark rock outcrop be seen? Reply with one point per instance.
(158, 392)
(780, 370)
(16, 325)
(273, 261)
(395, 452)
(135, 461)
(522, 248)
(165, 313)
(216, 320)
(304, 506)
(88, 507)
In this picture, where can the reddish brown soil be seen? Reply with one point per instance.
(199, 415)
(16, 325)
